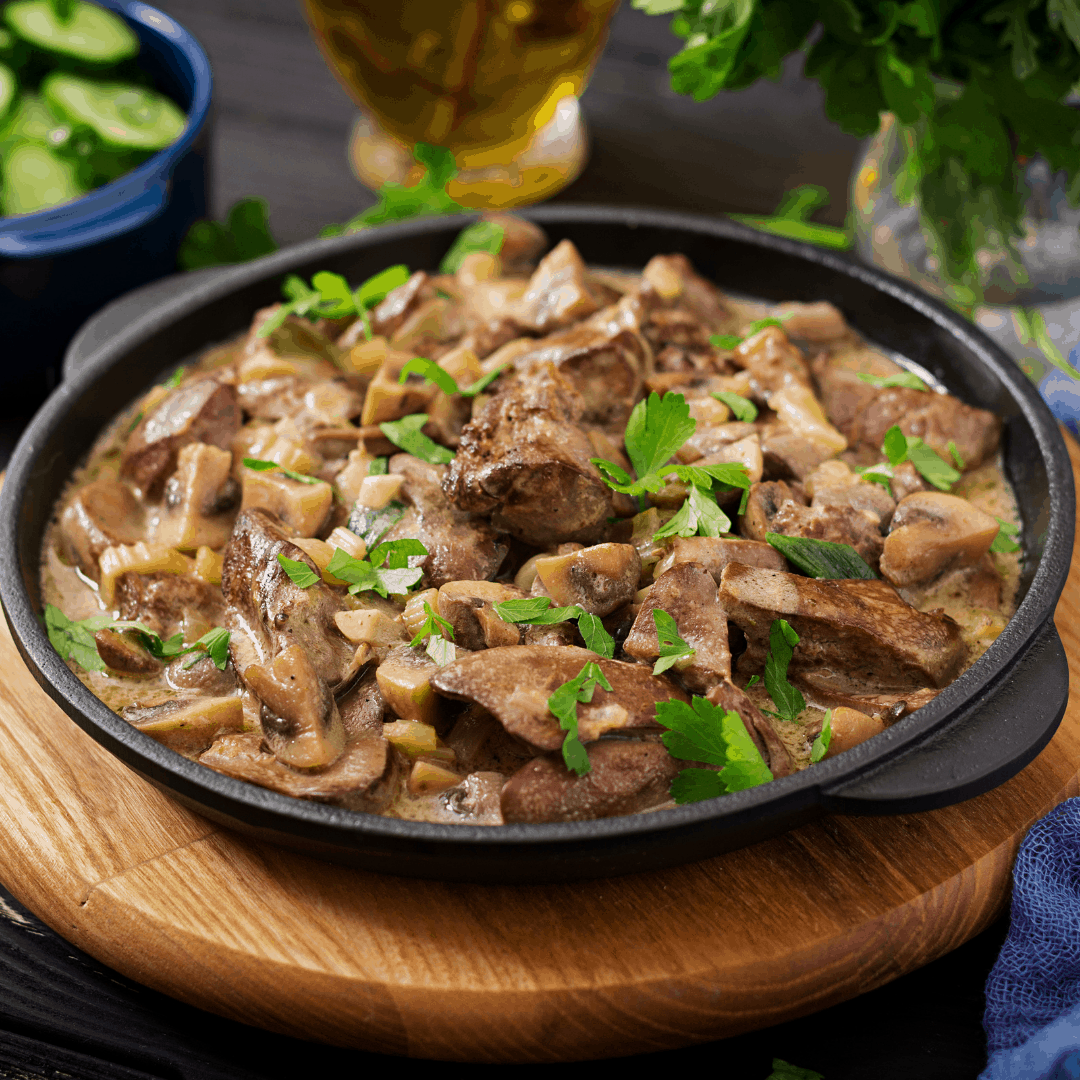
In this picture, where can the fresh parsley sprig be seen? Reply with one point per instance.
(299, 573)
(480, 236)
(537, 611)
(439, 633)
(742, 408)
(406, 433)
(74, 640)
(787, 699)
(821, 744)
(822, 558)
(369, 574)
(444, 380)
(258, 465)
(563, 704)
(673, 650)
(705, 732)
(1004, 542)
(372, 525)
(907, 379)
(897, 447)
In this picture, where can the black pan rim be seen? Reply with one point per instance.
(261, 807)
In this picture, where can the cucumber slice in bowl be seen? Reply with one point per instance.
(88, 33)
(35, 179)
(120, 115)
(8, 86)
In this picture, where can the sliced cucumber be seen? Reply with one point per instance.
(35, 179)
(119, 114)
(90, 33)
(30, 120)
(8, 86)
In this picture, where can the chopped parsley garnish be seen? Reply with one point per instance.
(379, 466)
(822, 558)
(705, 732)
(821, 743)
(907, 379)
(954, 452)
(537, 611)
(480, 236)
(175, 379)
(897, 447)
(672, 647)
(444, 380)
(742, 408)
(725, 341)
(74, 640)
(787, 699)
(434, 625)
(299, 573)
(563, 705)
(258, 465)
(1004, 541)
(783, 1070)
(657, 427)
(244, 235)
(372, 525)
(698, 515)
(406, 433)
(440, 650)
(364, 575)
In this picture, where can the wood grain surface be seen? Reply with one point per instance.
(498, 974)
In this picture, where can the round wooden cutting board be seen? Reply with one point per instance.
(498, 974)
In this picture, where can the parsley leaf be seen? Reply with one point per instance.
(824, 739)
(406, 433)
(379, 466)
(372, 525)
(1003, 542)
(175, 379)
(480, 236)
(725, 341)
(434, 626)
(783, 1070)
(258, 465)
(704, 732)
(698, 516)
(563, 704)
(822, 558)
(931, 465)
(537, 611)
(440, 650)
(657, 427)
(364, 575)
(741, 408)
(787, 699)
(244, 235)
(958, 461)
(444, 380)
(907, 379)
(672, 647)
(299, 573)
(215, 642)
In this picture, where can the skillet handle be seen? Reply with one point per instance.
(990, 742)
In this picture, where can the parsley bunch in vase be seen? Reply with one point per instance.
(970, 182)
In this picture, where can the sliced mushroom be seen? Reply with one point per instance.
(466, 605)
(600, 578)
(933, 532)
(514, 685)
(388, 399)
(688, 594)
(188, 725)
(198, 499)
(851, 727)
(557, 294)
(713, 553)
(120, 652)
(103, 513)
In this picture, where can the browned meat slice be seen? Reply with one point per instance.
(198, 672)
(933, 532)
(122, 653)
(627, 776)
(777, 507)
(460, 546)
(819, 322)
(558, 294)
(788, 455)
(164, 602)
(937, 419)
(675, 281)
(525, 460)
(285, 644)
(467, 606)
(481, 743)
(713, 553)
(688, 594)
(523, 241)
(600, 578)
(710, 439)
(728, 696)
(605, 364)
(834, 689)
(204, 411)
(363, 778)
(102, 514)
(399, 304)
(514, 685)
(861, 627)
(844, 395)
(906, 480)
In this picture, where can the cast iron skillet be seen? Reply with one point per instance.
(978, 732)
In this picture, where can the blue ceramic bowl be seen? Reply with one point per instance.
(60, 265)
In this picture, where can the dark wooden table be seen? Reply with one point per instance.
(281, 125)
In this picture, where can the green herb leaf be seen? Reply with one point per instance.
(822, 558)
(216, 645)
(430, 371)
(244, 235)
(175, 379)
(782, 1070)
(440, 650)
(1003, 542)
(958, 461)
(299, 572)
(594, 634)
(934, 468)
(672, 647)
(364, 576)
(483, 382)
(406, 433)
(907, 379)
(434, 626)
(379, 466)
(537, 611)
(656, 429)
(372, 525)
(824, 739)
(377, 287)
(265, 466)
(741, 408)
(396, 553)
(725, 341)
(563, 704)
(894, 446)
(480, 236)
(787, 699)
(698, 515)
(881, 474)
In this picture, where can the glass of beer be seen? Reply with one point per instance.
(495, 81)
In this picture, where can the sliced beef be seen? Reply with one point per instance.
(626, 777)
(557, 294)
(843, 394)
(204, 411)
(790, 456)
(400, 303)
(862, 628)
(525, 460)
(460, 545)
(102, 514)
(196, 671)
(937, 419)
(837, 689)
(688, 594)
(481, 743)
(514, 685)
(163, 602)
(122, 653)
